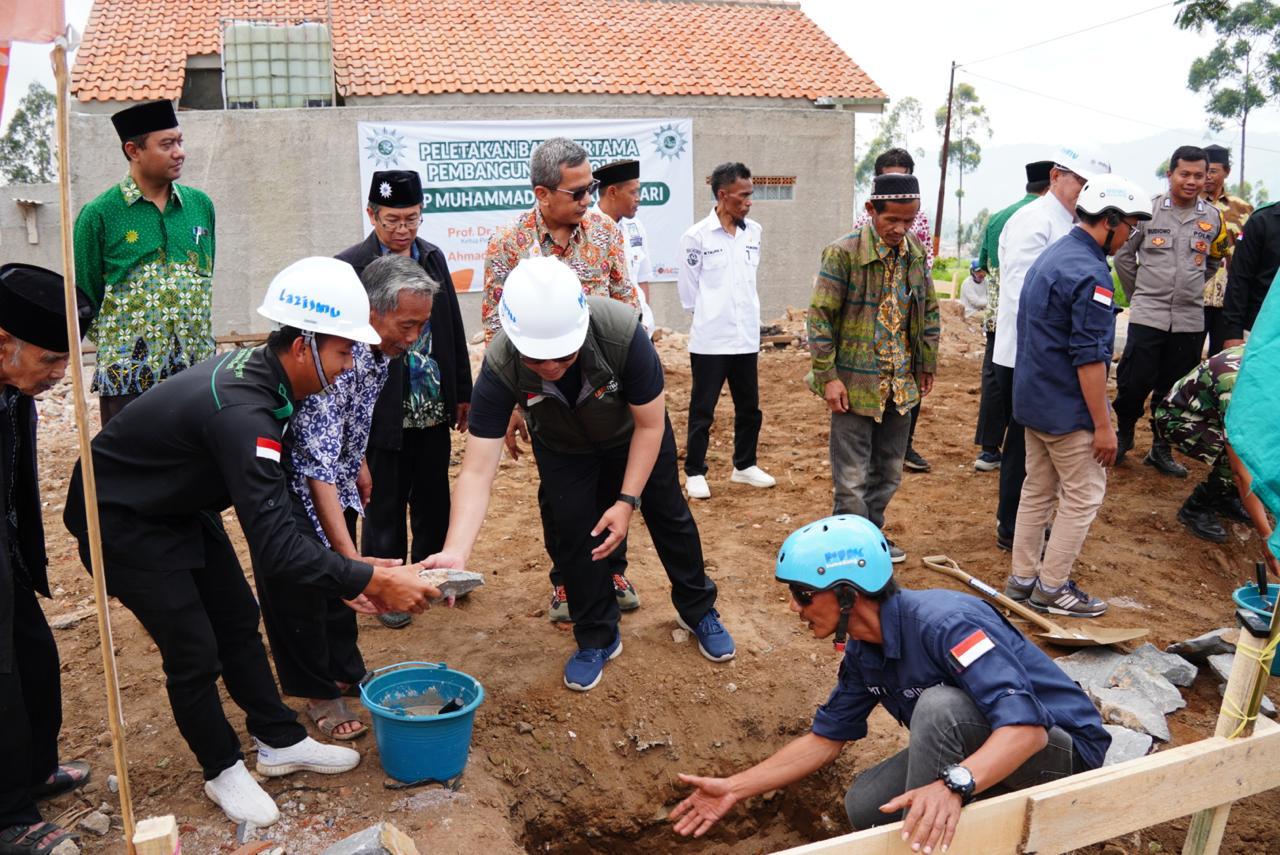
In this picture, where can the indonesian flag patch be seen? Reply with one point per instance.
(1102, 294)
(971, 649)
(269, 448)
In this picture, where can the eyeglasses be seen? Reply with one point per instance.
(801, 594)
(582, 192)
(559, 360)
(408, 224)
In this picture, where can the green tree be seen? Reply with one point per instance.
(1162, 171)
(27, 149)
(969, 121)
(1243, 67)
(972, 233)
(893, 131)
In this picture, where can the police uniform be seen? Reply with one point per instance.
(946, 654)
(167, 467)
(717, 283)
(1164, 267)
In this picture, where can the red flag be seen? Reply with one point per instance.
(4, 72)
(31, 20)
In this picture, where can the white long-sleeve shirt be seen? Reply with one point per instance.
(717, 282)
(1028, 233)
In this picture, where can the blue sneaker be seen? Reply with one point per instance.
(583, 670)
(713, 639)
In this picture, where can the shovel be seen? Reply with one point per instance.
(1053, 633)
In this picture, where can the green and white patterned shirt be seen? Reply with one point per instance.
(151, 274)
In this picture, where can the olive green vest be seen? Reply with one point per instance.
(600, 417)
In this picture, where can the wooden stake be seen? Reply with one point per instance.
(115, 721)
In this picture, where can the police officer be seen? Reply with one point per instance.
(987, 710)
(1235, 212)
(167, 467)
(590, 386)
(1164, 268)
(33, 358)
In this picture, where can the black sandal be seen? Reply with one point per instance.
(64, 780)
(38, 839)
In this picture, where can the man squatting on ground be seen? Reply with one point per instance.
(988, 711)
(168, 466)
(590, 385)
(313, 633)
(873, 328)
(1066, 329)
(33, 358)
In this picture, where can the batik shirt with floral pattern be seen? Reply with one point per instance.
(330, 433)
(424, 401)
(151, 274)
(893, 353)
(596, 252)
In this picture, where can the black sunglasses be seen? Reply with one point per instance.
(801, 594)
(582, 192)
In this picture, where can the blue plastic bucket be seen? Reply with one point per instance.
(420, 748)
(1247, 598)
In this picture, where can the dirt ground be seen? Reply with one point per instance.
(597, 773)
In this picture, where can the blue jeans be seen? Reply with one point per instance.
(866, 461)
(947, 727)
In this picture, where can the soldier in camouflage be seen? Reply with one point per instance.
(1191, 418)
(1235, 211)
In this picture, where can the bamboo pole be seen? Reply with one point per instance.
(115, 719)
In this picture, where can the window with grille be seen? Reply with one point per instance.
(771, 188)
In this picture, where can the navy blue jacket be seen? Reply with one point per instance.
(1066, 319)
(926, 634)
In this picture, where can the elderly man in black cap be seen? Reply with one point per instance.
(619, 200)
(33, 358)
(144, 258)
(427, 392)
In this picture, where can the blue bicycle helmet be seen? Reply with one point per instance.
(973, 265)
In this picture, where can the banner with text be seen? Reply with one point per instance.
(475, 178)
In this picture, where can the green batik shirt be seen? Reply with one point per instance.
(151, 275)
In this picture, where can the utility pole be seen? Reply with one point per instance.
(946, 146)
(960, 185)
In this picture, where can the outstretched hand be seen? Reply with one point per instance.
(711, 799)
(933, 812)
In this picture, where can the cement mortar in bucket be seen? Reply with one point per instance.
(416, 743)
(1251, 597)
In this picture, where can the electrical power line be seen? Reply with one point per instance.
(1066, 35)
(1079, 106)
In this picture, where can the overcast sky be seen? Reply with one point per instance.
(1135, 70)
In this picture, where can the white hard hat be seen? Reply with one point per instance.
(542, 309)
(1114, 193)
(1084, 161)
(320, 295)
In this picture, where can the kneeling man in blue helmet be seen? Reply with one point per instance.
(589, 383)
(988, 711)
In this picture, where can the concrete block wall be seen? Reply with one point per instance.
(14, 243)
(286, 183)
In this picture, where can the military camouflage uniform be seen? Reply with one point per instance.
(1192, 417)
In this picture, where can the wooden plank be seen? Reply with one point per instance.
(157, 835)
(1158, 788)
(238, 338)
(1116, 799)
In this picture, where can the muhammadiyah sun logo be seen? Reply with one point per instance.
(669, 142)
(385, 147)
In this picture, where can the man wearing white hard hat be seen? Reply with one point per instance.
(1026, 235)
(1066, 330)
(167, 467)
(590, 386)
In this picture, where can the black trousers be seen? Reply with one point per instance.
(911, 431)
(205, 622)
(109, 406)
(418, 476)
(580, 487)
(993, 413)
(30, 712)
(617, 559)
(313, 634)
(1013, 457)
(710, 371)
(1215, 329)
(1153, 361)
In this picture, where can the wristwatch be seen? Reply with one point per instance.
(633, 501)
(959, 780)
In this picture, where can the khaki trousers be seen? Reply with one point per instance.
(1061, 471)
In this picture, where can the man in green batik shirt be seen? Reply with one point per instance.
(144, 256)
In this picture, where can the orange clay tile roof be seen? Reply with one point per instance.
(137, 49)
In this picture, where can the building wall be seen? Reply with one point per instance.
(285, 183)
(14, 243)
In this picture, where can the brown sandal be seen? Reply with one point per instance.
(330, 714)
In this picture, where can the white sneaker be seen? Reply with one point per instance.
(305, 756)
(753, 475)
(696, 486)
(241, 798)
